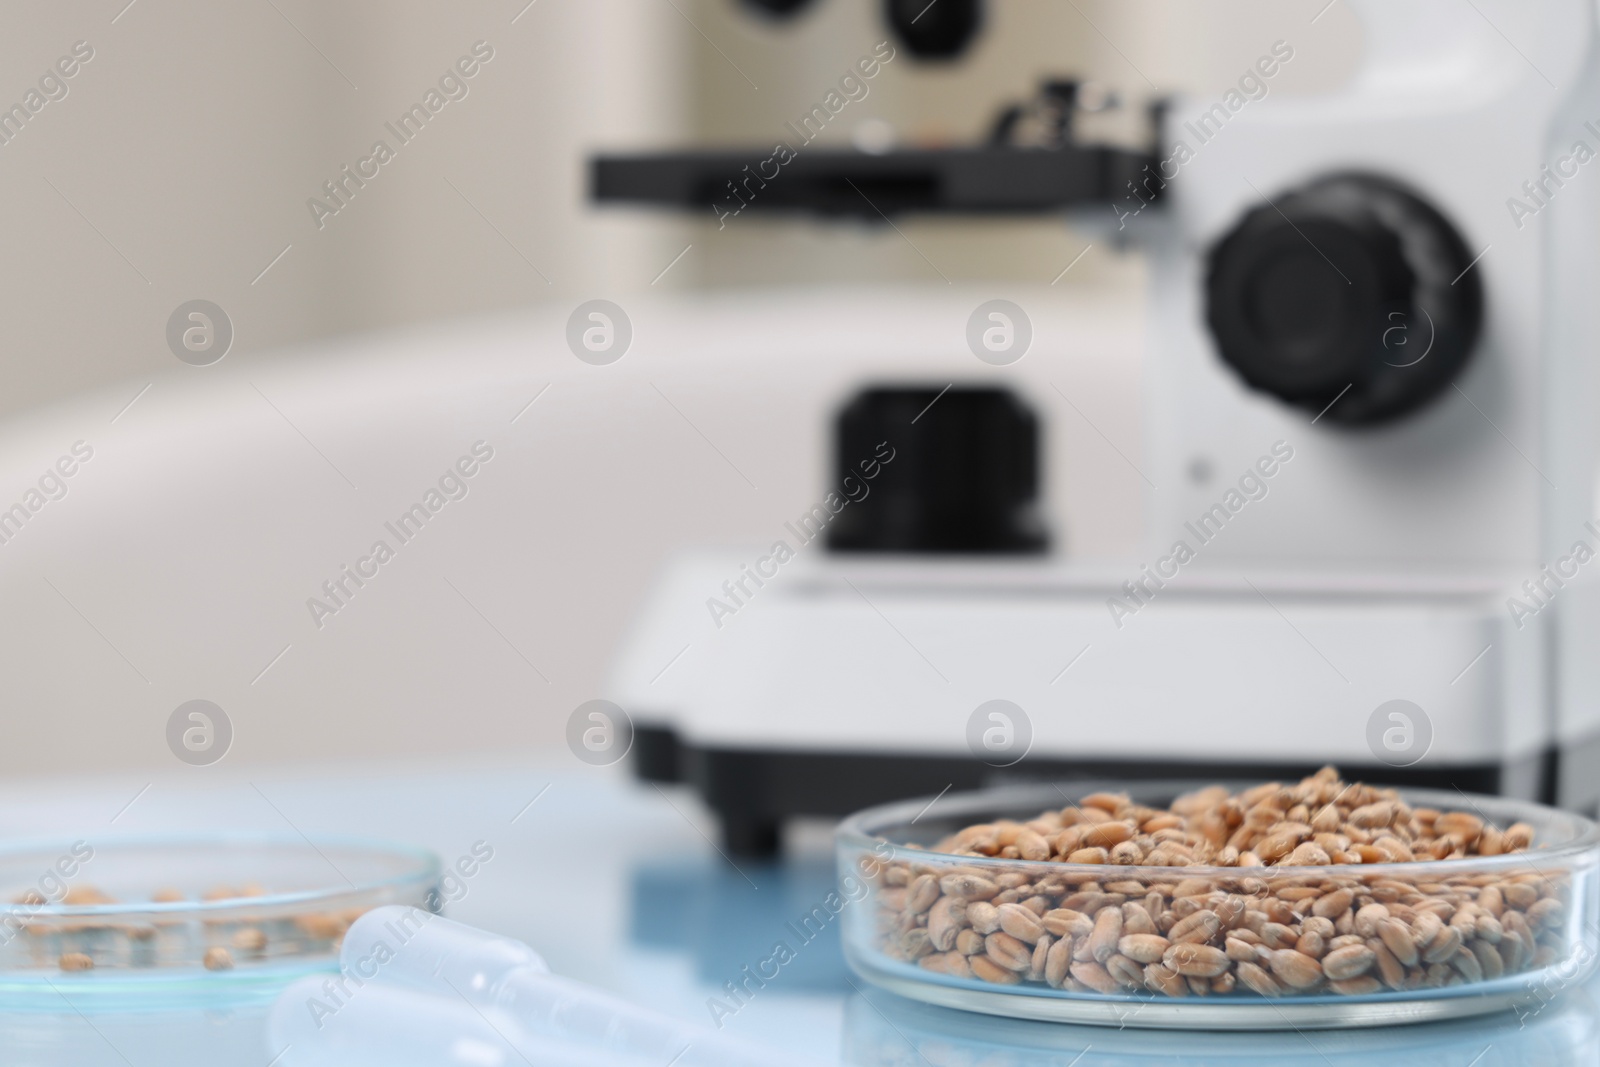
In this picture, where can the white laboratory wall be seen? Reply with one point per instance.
(180, 162)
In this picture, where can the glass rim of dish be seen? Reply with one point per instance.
(1011, 801)
(424, 867)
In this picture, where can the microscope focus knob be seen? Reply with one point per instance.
(942, 31)
(1350, 296)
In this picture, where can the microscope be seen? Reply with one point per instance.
(1369, 447)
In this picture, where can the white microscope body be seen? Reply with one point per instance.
(1439, 556)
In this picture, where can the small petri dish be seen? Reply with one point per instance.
(909, 921)
(175, 921)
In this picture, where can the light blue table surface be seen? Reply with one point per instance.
(618, 884)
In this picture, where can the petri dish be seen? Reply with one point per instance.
(173, 921)
(899, 937)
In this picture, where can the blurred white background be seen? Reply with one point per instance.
(370, 353)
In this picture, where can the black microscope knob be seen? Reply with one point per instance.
(940, 30)
(1352, 292)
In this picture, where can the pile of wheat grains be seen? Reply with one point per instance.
(1271, 928)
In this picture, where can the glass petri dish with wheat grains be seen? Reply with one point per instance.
(1315, 904)
(160, 922)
